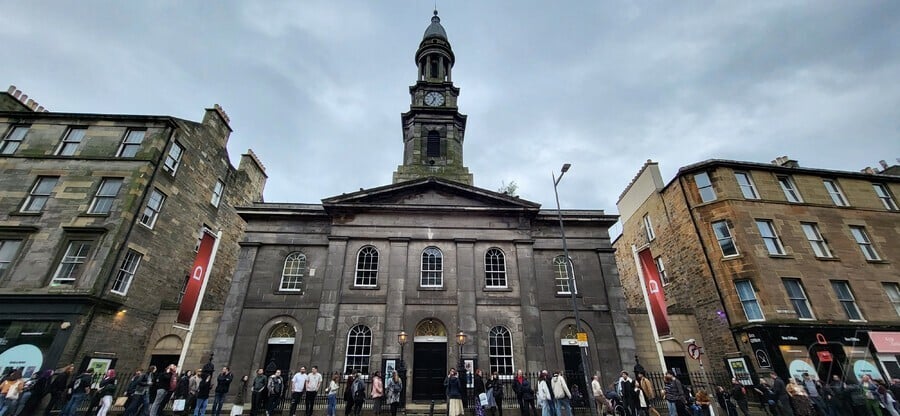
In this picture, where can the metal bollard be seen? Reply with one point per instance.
(431, 409)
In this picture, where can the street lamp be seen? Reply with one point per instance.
(461, 369)
(401, 367)
(571, 278)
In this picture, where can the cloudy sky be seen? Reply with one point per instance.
(316, 88)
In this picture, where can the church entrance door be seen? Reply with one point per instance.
(574, 371)
(429, 370)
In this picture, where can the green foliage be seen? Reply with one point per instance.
(509, 188)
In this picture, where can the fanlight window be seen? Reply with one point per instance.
(562, 278)
(293, 273)
(367, 267)
(494, 268)
(359, 348)
(432, 267)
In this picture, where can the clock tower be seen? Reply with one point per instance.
(433, 128)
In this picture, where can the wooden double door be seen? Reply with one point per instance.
(429, 370)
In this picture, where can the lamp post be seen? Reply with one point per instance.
(401, 367)
(571, 278)
(461, 369)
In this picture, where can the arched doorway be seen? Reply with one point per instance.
(166, 351)
(280, 348)
(429, 360)
(571, 353)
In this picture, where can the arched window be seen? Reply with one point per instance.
(494, 268)
(367, 267)
(433, 144)
(562, 279)
(432, 268)
(501, 351)
(359, 348)
(293, 273)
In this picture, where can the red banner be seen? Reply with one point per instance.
(655, 293)
(195, 281)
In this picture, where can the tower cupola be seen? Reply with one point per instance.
(435, 56)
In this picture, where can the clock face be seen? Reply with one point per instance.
(434, 99)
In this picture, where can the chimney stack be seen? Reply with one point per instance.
(23, 98)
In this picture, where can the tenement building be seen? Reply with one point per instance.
(101, 218)
(339, 284)
(764, 267)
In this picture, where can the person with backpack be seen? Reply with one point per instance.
(79, 389)
(275, 389)
(359, 393)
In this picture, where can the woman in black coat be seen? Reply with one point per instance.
(348, 394)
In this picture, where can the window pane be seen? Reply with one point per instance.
(746, 184)
(886, 199)
(13, 139)
(707, 193)
(70, 266)
(767, 232)
(500, 351)
(432, 268)
(562, 277)
(293, 272)
(723, 235)
(359, 348)
(367, 267)
(835, 192)
(790, 190)
(748, 300)
(494, 268)
(8, 250)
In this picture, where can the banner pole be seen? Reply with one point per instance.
(190, 329)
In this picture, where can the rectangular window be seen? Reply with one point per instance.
(726, 241)
(837, 196)
(746, 184)
(8, 251)
(747, 295)
(72, 264)
(865, 244)
(770, 238)
(217, 193)
(131, 143)
(13, 139)
(707, 193)
(105, 196)
(173, 158)
(661, 268)
(39, 194)
(847, 300)
(893, 293)
(790, 188)
(151, 211)
(819, 246)
(126, 272)
(648, 225)
(885, 196)
(71, 141)
(797, 296)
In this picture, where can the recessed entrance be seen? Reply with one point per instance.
(429, 361)
(279, 349)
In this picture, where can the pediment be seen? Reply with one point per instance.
(430, 193)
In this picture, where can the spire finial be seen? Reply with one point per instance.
(435, 18)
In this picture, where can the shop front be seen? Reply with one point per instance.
(824, 351)
(887, 351)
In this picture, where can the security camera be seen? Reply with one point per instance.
(690, 341)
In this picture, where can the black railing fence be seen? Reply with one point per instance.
(693, 382)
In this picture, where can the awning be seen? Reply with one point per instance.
(885, 341)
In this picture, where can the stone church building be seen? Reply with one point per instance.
(334, 284)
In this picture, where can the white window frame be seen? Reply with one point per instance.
(500, 351)
(835, 192)
(721, 237)
(884, 194)
(154, 206)
(366, 267)
(129, 147)
(218, 191)
(432, 268)
(293, 272)
(816, 241)
(799, 297)
(749, 301)
(648, 225)
(103, 194)
(747, 186)
(789, 187)
(846, 302)
(661, 268)
(71, 264)
(861, 236)
(704, 187)
(770, 237)
(495, 268)
(892, 290)
(9, 250)
(359, 349)
(13, 139)
(71, 141)
(562, 277)
(173, 158)
(126, 272)
(40, 193)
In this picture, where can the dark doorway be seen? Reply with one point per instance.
(161, 361)
(429, 370)
(678, 366)
(574, 370)
(278, 357)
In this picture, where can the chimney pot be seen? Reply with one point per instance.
(11, 89)
(883, 164)
(17, 94)
(23, 98)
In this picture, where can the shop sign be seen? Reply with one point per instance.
(763, 359)
(788, 338)
(25, 356)
(886, 342)
(825, 357)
